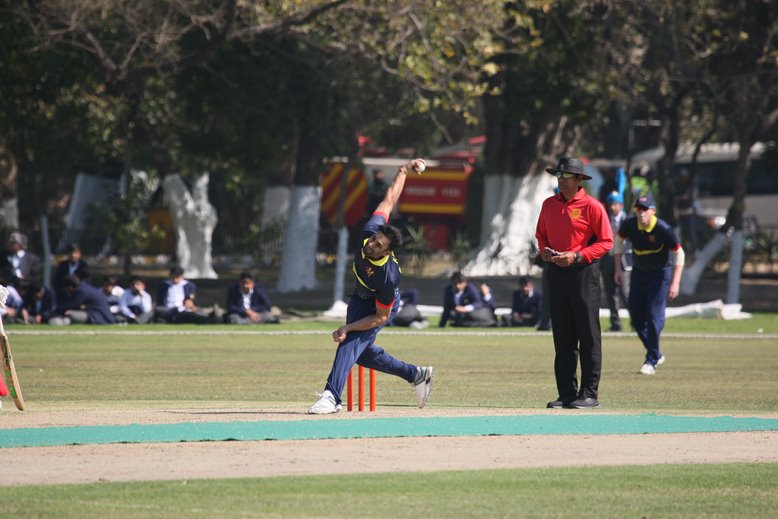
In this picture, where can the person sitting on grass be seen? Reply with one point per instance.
(247, 303)
(113, 294)
(527, 304)
(40, 304)
(464, 305)
(409, 315)
(176, 300)
(135, 305)
(83, 304)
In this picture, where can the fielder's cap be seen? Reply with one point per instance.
(569, 165)
(614, 196)
(646, 201)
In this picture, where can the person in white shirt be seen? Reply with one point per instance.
(14, 303)
(113, 293)
(247, 302)
(176, 300)
(135, 304)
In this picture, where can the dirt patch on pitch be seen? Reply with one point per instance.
(167, 461)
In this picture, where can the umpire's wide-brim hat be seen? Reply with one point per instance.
(569, 165)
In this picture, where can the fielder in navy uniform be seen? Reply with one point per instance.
(658, 261)
(373, 304)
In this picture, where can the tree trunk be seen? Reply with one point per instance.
(670, 137)
(691, 274)
(10, 213)
(275, 207)
(275, 211)
(278, 190)
(298, 260)
(511, 241)
(194, 219)
(501, 134)
(736, 210)
(734, 221)
(735, 267)
(514, 193)
(9, 200)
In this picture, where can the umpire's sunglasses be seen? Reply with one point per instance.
(564, 174)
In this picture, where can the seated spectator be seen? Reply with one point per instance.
(527, 304)
(83, 304)
(408, 314)
(40, 304)
(12, 312)
(18, 263)
(176, 300)
(113, 294)
(72, 266)
(135, 305)
(464, 305)
(247, 303)
(488, 299)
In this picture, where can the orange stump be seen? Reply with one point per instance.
(350, 391)
(360, 390)
(361, 387)
(372, 391)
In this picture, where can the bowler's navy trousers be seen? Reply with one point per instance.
(360, 348)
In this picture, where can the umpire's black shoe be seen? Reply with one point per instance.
(584, 403)
(559, 403)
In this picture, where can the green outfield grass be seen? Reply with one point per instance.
(766, 322)
(715, 374)
(724, 372)
(733, 490)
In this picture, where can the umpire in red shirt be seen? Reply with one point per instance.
(573, 233)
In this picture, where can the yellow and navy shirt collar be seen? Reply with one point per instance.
(650, 226)
(378, 263)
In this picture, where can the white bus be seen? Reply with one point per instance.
(715, 170)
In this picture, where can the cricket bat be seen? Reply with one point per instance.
(9, 369)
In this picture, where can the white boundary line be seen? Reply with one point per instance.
(463, 333)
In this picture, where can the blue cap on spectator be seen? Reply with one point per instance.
(646, 201)
(614, 196)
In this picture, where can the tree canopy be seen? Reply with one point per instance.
(257, 93)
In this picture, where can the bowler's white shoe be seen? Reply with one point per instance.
(661, 360)
(423, 385)
(325, 405)
(648, 369)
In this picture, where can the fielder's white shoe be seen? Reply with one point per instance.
(647, 369)
(661, 360)
(325, 405)
(423, 384)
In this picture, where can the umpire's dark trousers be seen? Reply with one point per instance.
(574, 301)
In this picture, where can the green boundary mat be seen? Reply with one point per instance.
(314, 429)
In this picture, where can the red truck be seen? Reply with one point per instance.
(435, 199)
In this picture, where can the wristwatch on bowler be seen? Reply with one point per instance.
(578, 257)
